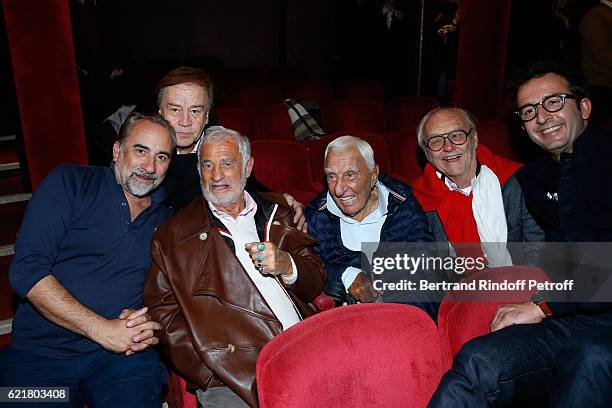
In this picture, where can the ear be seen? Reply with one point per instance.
(159, 111)
(585, 108)
(374, 175)
(206, 118)
(249, 166)
(475, 138)
(116, 150)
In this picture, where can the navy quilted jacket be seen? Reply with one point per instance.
(406, 222)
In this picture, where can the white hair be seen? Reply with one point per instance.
(468, 117)
(218, 133)
(364, 148)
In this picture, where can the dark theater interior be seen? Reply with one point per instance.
(68, 66)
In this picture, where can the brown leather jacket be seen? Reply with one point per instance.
(214, 320)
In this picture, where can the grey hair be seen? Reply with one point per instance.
(344, 142)
(218, 133)
(467, 116)
(135, 117)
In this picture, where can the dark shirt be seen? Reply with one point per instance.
(78, 228)
(571, 200)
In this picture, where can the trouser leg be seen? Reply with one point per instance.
(584, 374)
(23, 370)
(116, 380)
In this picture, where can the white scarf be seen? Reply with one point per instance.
(488, 209)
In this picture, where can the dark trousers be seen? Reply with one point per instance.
(565, 362)
(100, 379)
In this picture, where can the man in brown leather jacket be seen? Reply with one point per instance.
(230, 271)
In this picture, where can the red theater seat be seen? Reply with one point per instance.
(284, 167)
(497, 137)
(368, 355)
(317, 91)
(252, 95)
(240, 119)
(464, 315)
(407, 111)
(275, 124)
(361, 89)
(365, 116)
(404, 151)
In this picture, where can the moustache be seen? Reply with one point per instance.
(144, 174)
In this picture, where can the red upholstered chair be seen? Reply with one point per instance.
(407, 111)
(496, 135)
(378, 143)
(406, 158)
(275, 124)
(464, 315)
(284, 166)
(178, 396)
(365, 116)
(252, 95)
(320, 92)
(361, 89)
(367, 355)
(241, 119)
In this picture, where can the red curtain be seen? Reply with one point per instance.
(42, 54)
(482, 56)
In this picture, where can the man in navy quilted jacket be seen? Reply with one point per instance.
(360, 205)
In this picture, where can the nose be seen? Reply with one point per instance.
(542, 115)
(185, 119)
(148, 164)
(339, 187)
(216, 174)
(448, 145)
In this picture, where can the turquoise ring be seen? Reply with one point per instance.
(261, 247)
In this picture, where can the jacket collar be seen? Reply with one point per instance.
(398, 192)
(198, 217)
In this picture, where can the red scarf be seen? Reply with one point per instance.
(453, 207)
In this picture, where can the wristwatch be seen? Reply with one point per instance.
(539, 300)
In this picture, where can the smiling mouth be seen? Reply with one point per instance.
(346, 200)
(452, 158)
(550, 130)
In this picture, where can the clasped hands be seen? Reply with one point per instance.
(132, 331)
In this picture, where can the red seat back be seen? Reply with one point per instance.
(407, 111)
(361, 89)
(364, 116)
(496, 135)
(368, 355)
(240, 119)
(317, 91)
(256, 96)
(275, 124)
(284, 166)
(464, 315)
(405, 154)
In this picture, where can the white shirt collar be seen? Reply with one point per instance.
(466, 191)
(250, 207)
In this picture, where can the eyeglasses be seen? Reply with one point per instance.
(551, 103)
(456, 137)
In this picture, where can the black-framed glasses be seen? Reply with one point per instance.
(456, 137)
(551, 103)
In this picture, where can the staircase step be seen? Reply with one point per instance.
(11, 214)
